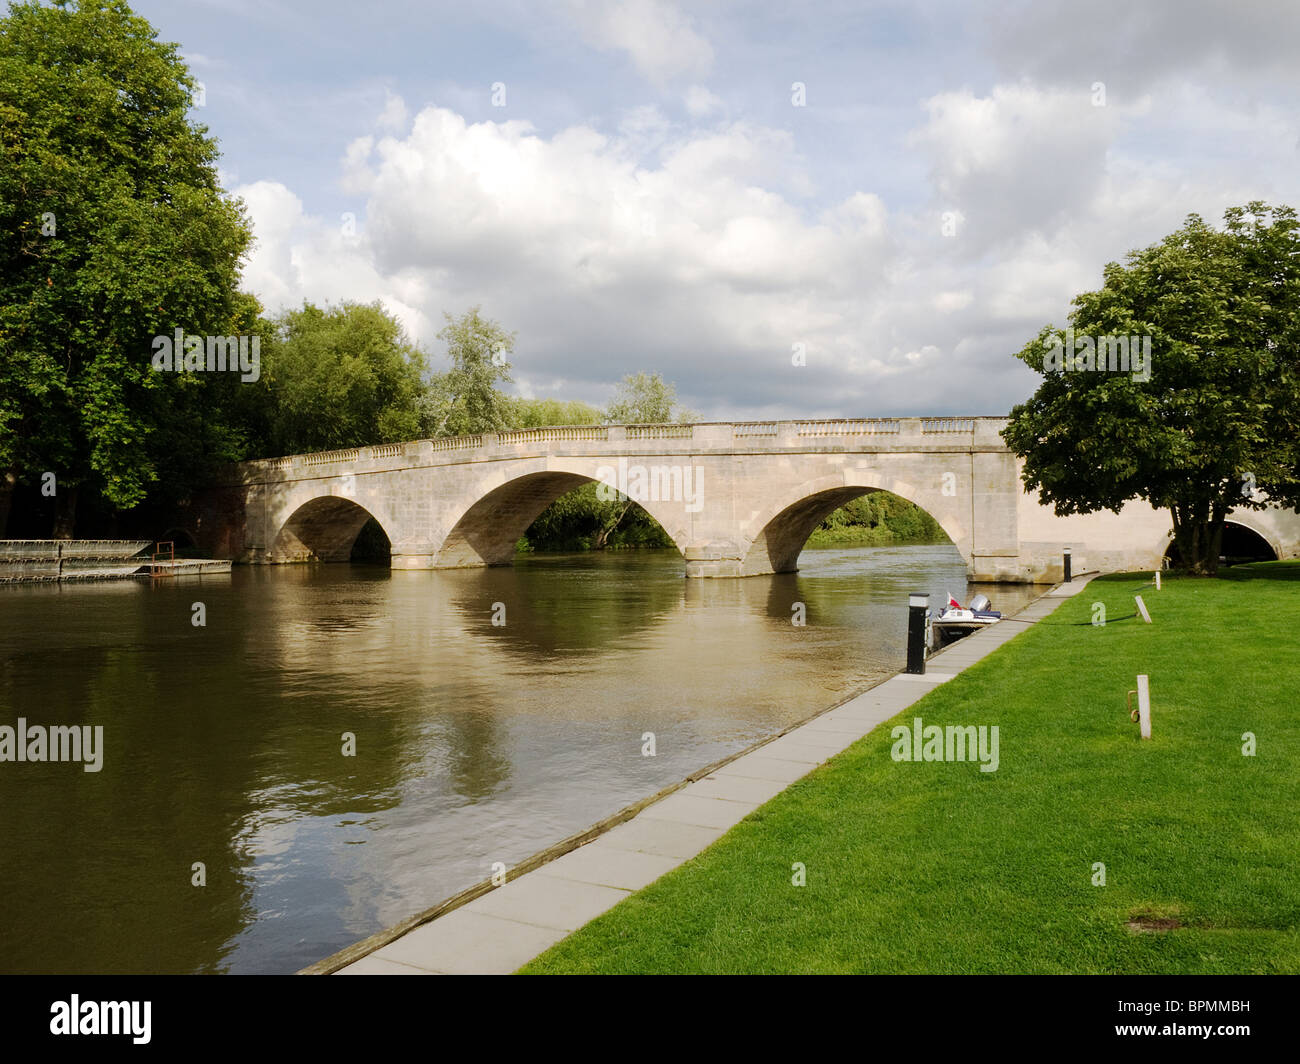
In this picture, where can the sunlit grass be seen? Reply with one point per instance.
(938, 867)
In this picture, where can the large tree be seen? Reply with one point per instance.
(113, 230)
(464, 400)
(342, 376)
(1217, 423)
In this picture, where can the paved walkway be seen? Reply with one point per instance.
(507, 927)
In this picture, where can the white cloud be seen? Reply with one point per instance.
(659, 38)
(394, 116)
(700, 102)
(694, 252)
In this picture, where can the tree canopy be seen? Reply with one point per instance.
(1216, 423)
(113, 229)
(646, 399)
(342, 376)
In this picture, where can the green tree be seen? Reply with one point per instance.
(1220, 412)
(646, 399)
(113, 230)
(342, 376)
(543, 413)
(464, 400)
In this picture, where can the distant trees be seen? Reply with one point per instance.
(876, 519)
(464, 400)
(1213, 421)
(646, 399)
(539, 413)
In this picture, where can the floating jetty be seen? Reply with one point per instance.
(24, 561)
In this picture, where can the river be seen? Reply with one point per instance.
(474, 742)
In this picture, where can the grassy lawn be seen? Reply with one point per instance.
(939, 867)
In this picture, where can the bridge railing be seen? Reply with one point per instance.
(855, 427)
(708, 434)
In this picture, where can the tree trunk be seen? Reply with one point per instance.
(65, 513)
(1198, 534)
(603, 534)
(8, 481)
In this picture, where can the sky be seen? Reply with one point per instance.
(790, 210)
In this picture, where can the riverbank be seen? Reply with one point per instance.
(1088, 850)
(494, 929)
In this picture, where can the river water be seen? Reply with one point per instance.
(475, 742)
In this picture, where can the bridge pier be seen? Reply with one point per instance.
(411, 559)
(709, 560)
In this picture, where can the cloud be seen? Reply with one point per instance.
(394, 116)
(647, 244)
(661, 41)
(700, 102)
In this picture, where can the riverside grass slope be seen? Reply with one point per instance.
(940, 868)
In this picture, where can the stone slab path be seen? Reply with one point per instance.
(503, 930)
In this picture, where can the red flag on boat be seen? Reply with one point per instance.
(953, 602)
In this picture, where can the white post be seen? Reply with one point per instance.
(1157, 579)
(1144, 707)
(1142, 608)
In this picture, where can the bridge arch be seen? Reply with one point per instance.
(323, 529)
(485, 532)
(1247, 532)
(784, 527)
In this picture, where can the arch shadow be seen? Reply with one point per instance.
(1241, 543)
(486, 533)
(786, 526)
(323, 529)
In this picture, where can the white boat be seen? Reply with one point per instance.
(956, 620)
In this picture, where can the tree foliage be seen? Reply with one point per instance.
(646, 399)
(1217, 424)
(342, 376)
(113, 229)
(464, 400)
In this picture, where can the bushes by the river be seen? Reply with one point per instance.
(876, 520)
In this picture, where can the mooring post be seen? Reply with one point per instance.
(918, 606)
(1067, 564)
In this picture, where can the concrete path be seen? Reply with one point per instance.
(504, 929)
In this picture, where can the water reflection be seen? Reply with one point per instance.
(475, 742)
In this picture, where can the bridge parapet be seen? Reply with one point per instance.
(701, 437)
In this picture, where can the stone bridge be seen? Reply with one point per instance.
(738, 499)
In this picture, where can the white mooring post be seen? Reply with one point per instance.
(1142, 608)
(1143, 712)
(1157, 579)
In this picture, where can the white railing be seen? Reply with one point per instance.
(660, 432)
(711, 435)
(332, 457)
(457, 443)
(548, 435)
(850, 427)
(947, 424)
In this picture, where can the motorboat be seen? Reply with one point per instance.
(956, 620)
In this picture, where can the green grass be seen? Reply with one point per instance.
(938, 867)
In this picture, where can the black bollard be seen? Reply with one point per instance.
(918, 604)
(1067, 565)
